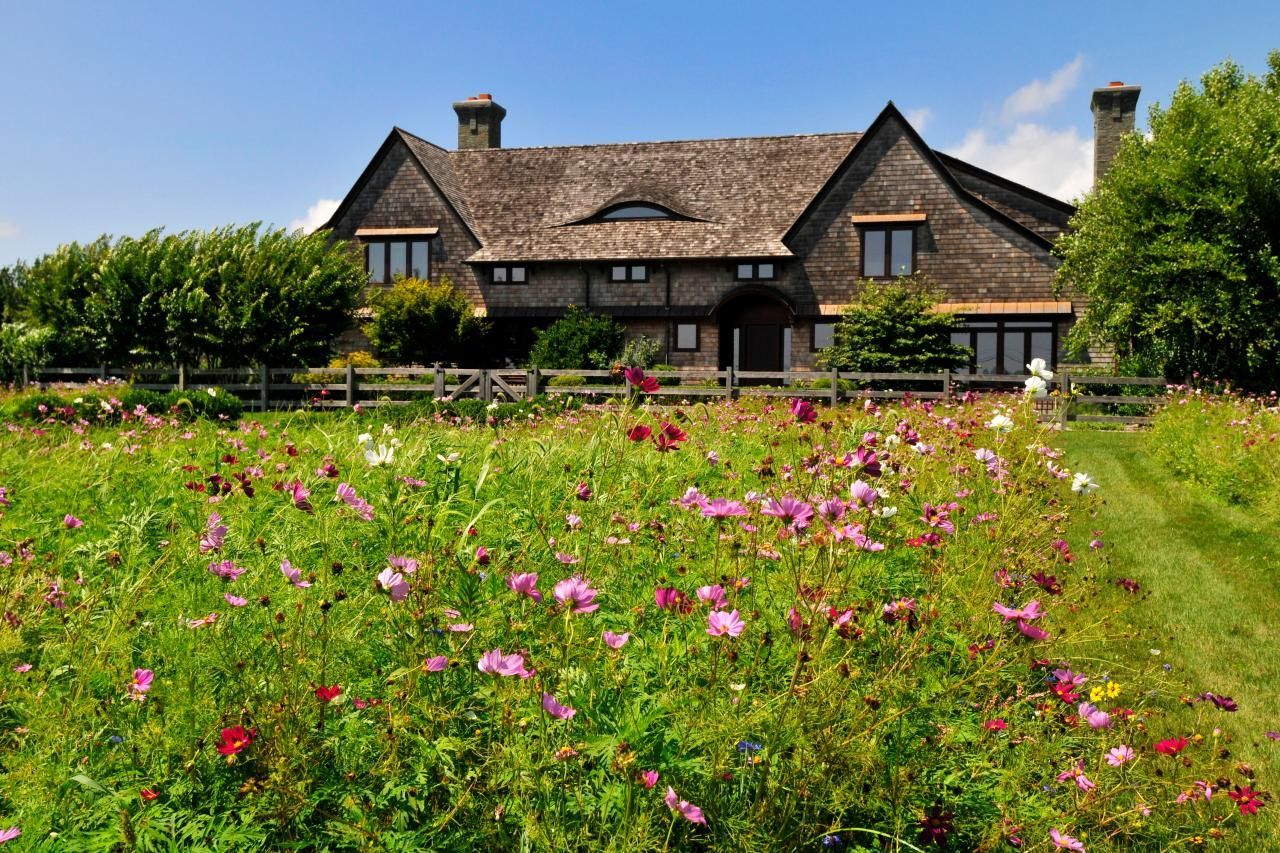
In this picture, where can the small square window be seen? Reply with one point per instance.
(823, 335)
(687, 337)
(617, 273)
(508, 275)
(499, 275)
(639, 273)
(764, 271)
(518, 275)
(746, 271)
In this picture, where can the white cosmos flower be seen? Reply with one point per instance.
(1036, 386)
(382, 456)
(1037, 367)
(891, 440)
(1000, 423)
(1083, 483)
(364, 438)
(451, 459)
(212, 392)
(884, 511)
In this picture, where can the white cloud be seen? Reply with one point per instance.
(8, 230)
(1056, 162)
(317, 214)
(1039, 95)
(919, 118)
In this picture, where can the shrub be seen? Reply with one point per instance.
(105, 408)
(418, 322)
(578, 340)
(22, 344)
(568, 380)
(892, 328)
(640, 351)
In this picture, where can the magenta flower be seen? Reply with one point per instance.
(803, 411)
(636, 379)
(866, 462)
(832, 509)
(899, 611)
(235, 600)
(1031, 632)
(615, 641)
(226, 570)
(436, 664)
(1065, 842)
(393, 582)
(4, 497)
(863, 494)
(584, 492)
(347, 494)
(789, 511)
(939, 517)
(1120, 756)
(1031, 610)
(404, 565)
(714, 595)
(722, 508)
(687, 810)
(525, 584)
(496, 663)
(576, 594)
(555, 709)
(1094, 716)
(720, 624)
(72, 522)
(215, 532)
(294, 576)
(1076, 774)
(648, 778)
(22, 667)
(482, 555)
(300, 493)
(141, 683)
(9, 834)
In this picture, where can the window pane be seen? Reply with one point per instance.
(686, 336)
(376, 262)
(765, 271)
(638, 274)
(901, 254)
(517, 275)
(873, 253)
(1042, 346)
(618, 274)
(986, 352)
(499, 275)
(823, 335)
(419, 259)
(1014, 344)
(962, 339)
(745, 271)
(399, 260)
(636, 211)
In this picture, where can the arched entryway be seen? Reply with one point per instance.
(755, 330)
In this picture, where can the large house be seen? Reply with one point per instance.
(727, 251)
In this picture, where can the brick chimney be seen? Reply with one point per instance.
(480, 123)
(1113, 107)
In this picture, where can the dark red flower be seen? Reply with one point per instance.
(935, 826)
(328, 694)
(639, 432)
(1171, 746)
(148, 794)
(235, 739)
(1247, 799)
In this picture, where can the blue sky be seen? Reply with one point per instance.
(189, 115)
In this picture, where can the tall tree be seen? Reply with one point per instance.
(1177, 250)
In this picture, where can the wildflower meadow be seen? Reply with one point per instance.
(729, 626)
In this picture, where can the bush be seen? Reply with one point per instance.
(417, 322)
(22, 344)
(566, 381)
(357, 359)
(892, 328)
(578, 340)
(641, 351)
(93, 407)
(667, 380)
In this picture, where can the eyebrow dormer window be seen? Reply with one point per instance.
(636, 211)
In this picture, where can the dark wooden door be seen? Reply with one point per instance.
(761, 347)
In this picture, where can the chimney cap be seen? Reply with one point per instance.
(1114, 83)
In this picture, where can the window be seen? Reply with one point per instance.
(1005, 346)
(687, 337)
(756, 272)
(509, 275)
(823, 335)
(888, 252)
(636, 211)
(629, 272)
(387, 260)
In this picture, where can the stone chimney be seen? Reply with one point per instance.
(1113, 108)
(480, 123)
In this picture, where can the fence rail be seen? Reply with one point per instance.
(264, 388)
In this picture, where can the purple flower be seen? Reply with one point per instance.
(576, 594)
(720, 624)
(1062, 841)
(72, 522)
(687, 810)
(404, 565)
(300, 494)
(226, 570)
(525, 584)
(555, 709)
(863, 494)
(293, 575)
(1076, 774)
(722, 508)
(215, 532)
(714, 595)
(803, 411)
(347, 494)
(615, 641)
(1094, 716)
(435, 664)
(899, 611)
(235, 600)
(788, 510)
(496, 663)
(393, 582)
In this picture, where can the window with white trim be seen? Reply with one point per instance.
(388, 260)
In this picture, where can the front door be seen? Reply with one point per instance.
(761, 347)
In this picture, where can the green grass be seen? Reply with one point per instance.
(1209, 572)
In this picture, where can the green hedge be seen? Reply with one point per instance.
(213, 404)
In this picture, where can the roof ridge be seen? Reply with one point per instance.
(654, 142)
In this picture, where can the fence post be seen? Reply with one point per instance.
(182, 377)
(531, 383)
(835, 385)
(486, 386)
(264, 386)
(25, 378)
(439, 387)
(728, 381)
(946, 385)
(351, 385)
(1065, 390)
(102, 372)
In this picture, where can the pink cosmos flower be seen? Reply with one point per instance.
(863, 494)
(1076, 774)
(996, 725)
(1094, 716)
(525, 584)
(141, 684)
(584, 492)
(714, 595)
(4, 497)
(576, 594)
(9, 834)
(393, 582)
(722, 508)
(939, 517)
(235, 600)
(294, 576)
(636, 379)
(615, 641)
(687, 810)
(22, 667)
(555, 709)
(347, 494)
(436, 664)
(215, 532)
(720, 624)
(793, 513)
(1031, 632)
(639, 432)
(803, 411)
(496, 663)
(692, 498)
(1065, 842)
(648, 778)
(226, 570)
(300, 493)
(1120, 755)
(853, 533)
(567, 559)
(203, 621)
(404, 565)
(900, 610)
(482, 555)
(72, 522)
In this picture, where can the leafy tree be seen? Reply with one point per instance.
(1178, 249)
(892, 328)
(418, 322)
(13, 293)
(578, 340)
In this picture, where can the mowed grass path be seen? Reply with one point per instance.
(1212, 572)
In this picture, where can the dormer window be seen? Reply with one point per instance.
(635, 210)
(392, 253)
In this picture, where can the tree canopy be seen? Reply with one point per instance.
(892, 327)
(1177, 250)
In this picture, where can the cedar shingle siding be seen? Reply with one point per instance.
(789, 200)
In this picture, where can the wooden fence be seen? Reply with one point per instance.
(263, 388)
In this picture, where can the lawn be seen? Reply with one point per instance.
(1210, 576)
